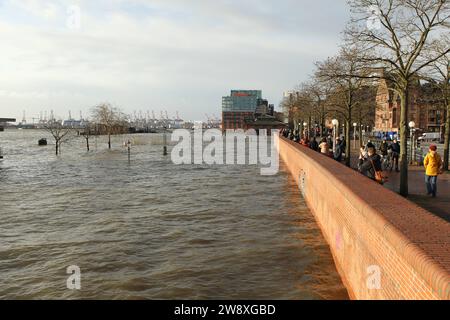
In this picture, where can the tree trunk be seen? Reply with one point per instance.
(348, 143)
(87, 144)
(109, 140)
(309, 127)
(57, 147)
(404, 141)
(360, 135)
(447, 138)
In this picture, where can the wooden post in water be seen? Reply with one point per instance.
(164, 142)
(129, 150)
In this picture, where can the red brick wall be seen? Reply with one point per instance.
(370, 228)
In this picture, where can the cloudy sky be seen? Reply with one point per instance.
(174, 55)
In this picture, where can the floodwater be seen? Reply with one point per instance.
(149, 229)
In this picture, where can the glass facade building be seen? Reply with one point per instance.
(241, 101)
(239, 107)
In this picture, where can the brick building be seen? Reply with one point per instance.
(425, 108)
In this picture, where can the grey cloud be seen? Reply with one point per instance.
(161, 61)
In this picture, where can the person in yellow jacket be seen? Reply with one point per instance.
(433, 167)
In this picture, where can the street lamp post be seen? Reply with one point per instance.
(335, 124)
(306, 129)
(411, 125)
(362, 134)
(354, 134)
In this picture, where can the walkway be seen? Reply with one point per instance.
(417, 193)
(440, 205)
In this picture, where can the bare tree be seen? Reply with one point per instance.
(313, 98)
(58, 132)
(110, 119)
(345, 73)
(395, 33)
(87, 133)
(292, 105)
(438, 73)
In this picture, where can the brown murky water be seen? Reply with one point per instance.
(149, 229)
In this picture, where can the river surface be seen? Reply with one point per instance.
(149, 229)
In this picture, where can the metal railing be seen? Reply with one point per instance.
(416, 158)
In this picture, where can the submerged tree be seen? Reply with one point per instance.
(58, 132)
(87, 132)
(110, 120)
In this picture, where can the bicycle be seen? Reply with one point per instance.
(387, 162)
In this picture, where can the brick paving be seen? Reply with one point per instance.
(440, 205)
(417, 192)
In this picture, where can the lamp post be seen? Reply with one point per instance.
(361, 135)
(306, 129)
(335, 124)
(411, 125)
(354, 134)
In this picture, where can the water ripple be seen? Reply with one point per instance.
(152, 230)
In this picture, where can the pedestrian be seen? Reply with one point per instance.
(305, 142)
(384, 148)
(338, 150)
(343, 143)
(433, 167)
(395, 147)
(313, 144)
(329, 141)
(369, 145)
(324, 147)
(370, 165)
(291, 135)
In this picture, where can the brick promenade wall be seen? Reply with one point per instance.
(384, 246)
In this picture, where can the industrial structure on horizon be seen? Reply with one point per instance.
(138, 121)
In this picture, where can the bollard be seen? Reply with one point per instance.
(129, 150)
(164, 143)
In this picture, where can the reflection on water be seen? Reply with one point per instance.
(150, 229)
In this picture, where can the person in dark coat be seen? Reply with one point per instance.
(395, 147)
(338, 150)
(314, 145)
(370, 164)
(384, 148)
(330, 142)
(369, 145)
(343, 143)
